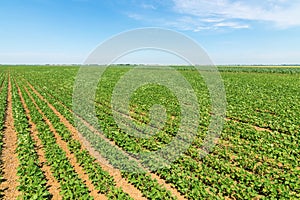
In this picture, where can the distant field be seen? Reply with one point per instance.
(262, 69)
(256, 157)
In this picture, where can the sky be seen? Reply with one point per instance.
(230, 31)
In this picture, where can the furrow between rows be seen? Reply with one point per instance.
(78, 169)
(9, 155)
(152, 175)
(52, 183)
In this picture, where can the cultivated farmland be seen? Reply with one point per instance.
(44, 157)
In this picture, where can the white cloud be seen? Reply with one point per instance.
(282, 13)
(199, 15)
(148, 6)
(197, 24)
(231, 25)
(135, 16)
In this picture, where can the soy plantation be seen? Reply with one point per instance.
(45, 155)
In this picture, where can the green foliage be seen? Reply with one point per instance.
(246, 163)
(3, 104)
(72, 187)
(31, 178)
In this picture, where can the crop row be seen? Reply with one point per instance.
(253, 98)
(266, 100)
(189, 189)
(224, 191)
(144, 183)
(71, 186)
(127, 141)
(248, 151)
(243, 134)
(266, 69)
(195, 190)
(31, 177)
(148, 186)
(100, 178)
(259, 138)
(3, 105)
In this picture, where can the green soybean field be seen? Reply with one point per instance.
(45, 155)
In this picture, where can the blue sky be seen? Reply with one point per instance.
(231, 31)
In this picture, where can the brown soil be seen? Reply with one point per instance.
(167, 186)
(261, 129)
(9, 156)
(115, 173)
(52, 183)
(108, 167)
(71, 157)
(1, 87)
(121, 182)
(255, 127)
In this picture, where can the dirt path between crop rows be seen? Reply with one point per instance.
(121, 182)
(2, 83)
(110, 167)
(9, 156)
(115, 173)
(254, 126)
(71, 157)
(52, 183)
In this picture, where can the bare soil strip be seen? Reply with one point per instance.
(9, 156)
(105, 162)
(255, 127)
(2, 83)
(78, 169)
(52, 183)
(121, 182)
(115, 173)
